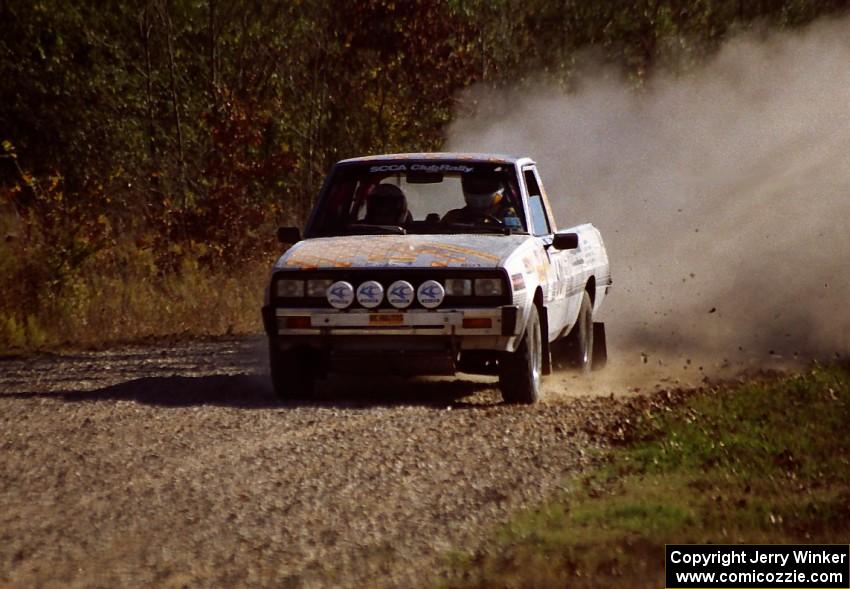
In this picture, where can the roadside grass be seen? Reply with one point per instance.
(767, 461)
(121, 295)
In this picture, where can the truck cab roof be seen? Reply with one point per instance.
(494, 158)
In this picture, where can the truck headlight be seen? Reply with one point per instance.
(318, 287)
(290, 288)
(458, 287)
(488, 287)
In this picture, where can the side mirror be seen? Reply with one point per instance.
(288, 234)
(565, 241)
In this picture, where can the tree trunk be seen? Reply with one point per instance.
(175, 100)
(213, 49)
(145, 27)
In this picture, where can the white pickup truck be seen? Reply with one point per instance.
(435, 263)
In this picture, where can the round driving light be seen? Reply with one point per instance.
(430, 294)
(370, 294)
(340, 294)
(400, 294)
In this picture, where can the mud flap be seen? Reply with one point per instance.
(546, 350)
(600, 347)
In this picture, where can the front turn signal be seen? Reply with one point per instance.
(297, 322)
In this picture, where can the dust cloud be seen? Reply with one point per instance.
(723, 195)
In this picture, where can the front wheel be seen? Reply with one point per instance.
(519, 371)
(292, 372)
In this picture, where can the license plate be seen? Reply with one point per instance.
(386, 319)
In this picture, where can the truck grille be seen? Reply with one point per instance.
(386, 276)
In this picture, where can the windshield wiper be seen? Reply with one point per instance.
(367, 229)
(480, 228)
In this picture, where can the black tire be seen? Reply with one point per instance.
(520, 371)
(577, 348)
(292, 371)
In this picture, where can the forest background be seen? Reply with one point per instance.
(149, 148)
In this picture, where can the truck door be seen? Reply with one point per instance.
(542, 226)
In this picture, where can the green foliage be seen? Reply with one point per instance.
(780, 430)
(765, 462)
(169, 107)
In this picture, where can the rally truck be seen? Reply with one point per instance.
(432, 264)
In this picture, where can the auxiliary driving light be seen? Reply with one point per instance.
(430, 294)
(400, 294)
(370, 294)
(340, 294)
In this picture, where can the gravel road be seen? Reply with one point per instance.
(175, 466)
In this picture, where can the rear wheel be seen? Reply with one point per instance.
(293, 372)
(519, 371)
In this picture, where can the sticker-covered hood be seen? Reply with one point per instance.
(406, 251)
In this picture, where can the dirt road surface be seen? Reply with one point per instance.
(175, 466)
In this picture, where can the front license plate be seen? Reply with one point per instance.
(386, 319)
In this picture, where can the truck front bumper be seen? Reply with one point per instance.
(492, 328)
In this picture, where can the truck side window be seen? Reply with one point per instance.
(539, 222)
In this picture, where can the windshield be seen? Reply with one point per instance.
(419, 197)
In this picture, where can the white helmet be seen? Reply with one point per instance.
(482, 192)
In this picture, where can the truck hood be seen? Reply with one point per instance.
(405, 251)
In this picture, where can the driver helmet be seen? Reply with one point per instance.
(482, 192)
